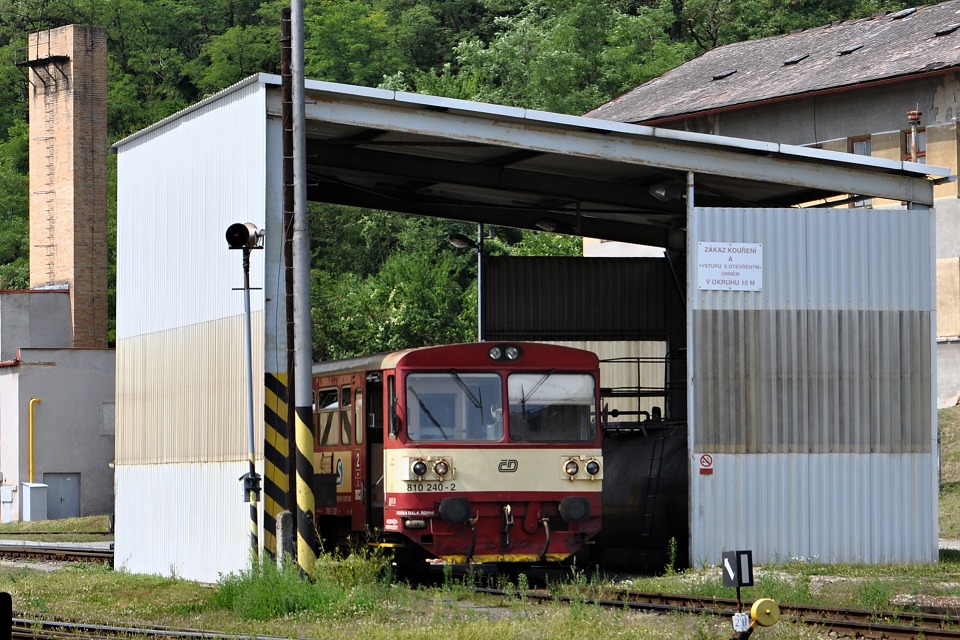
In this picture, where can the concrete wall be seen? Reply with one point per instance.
(73, 422)
(837, 115)
(33, 318)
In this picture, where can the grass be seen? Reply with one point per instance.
(358, 597)
(86, 529)
(949, 427)
(352, 599)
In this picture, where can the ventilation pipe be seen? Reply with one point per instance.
(913, 117)
(32, 402)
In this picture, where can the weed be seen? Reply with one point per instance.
(671, 557)
(874, 595)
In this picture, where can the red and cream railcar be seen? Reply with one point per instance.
(482, 452)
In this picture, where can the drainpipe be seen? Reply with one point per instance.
(32, 401)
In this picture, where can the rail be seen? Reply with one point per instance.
(834, 620)
(56, 553)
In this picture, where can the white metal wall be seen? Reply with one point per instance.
(181, 394)
(185, 520)
(179, 187)
(815, 397)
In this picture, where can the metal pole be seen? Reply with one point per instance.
(480, 282)
(251, 447)
(286, 91)
(303, 364)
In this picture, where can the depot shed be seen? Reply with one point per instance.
(809, 330)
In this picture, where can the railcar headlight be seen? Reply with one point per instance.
(419, 468)
(441, 468)
(593, 467)
(505, 352)
(571, 468)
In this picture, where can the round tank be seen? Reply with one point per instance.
(645, 501)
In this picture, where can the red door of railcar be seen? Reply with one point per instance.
(340, 455)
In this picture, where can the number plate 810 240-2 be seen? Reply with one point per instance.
(428, 487)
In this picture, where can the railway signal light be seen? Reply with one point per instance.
(244, 235)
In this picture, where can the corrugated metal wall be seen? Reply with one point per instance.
(184, 393)
(820, 386)
(185, 520)
(181, 428)
(578, 298)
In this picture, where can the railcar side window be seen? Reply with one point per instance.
(454, 406)
(345, 413)
(358, 417)
(328, 417)
(550, 407)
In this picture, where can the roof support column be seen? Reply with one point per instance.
(302, 334)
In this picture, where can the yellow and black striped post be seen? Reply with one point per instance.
(276, 449)
(306, 533)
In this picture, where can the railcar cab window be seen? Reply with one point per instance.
(454, 406)
(549, 407)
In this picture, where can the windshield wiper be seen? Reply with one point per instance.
(427, 413)
(463, 385)
(526, 396)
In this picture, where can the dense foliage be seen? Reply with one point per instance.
(381, 281)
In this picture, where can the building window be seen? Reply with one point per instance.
(921, 155)
(861, 146)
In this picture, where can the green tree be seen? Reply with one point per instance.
(566, 56)
(412, 295)
(14, 210)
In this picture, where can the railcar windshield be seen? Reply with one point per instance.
(550, 407)
(454, 406)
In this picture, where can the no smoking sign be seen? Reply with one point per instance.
(706, 464)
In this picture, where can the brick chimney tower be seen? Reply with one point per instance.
(68, 173)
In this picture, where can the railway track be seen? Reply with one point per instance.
(843, 622)
(38, 627)
(59, 553)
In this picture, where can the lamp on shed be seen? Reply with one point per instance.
(666, 192)
(546, 224)
(461, 241)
